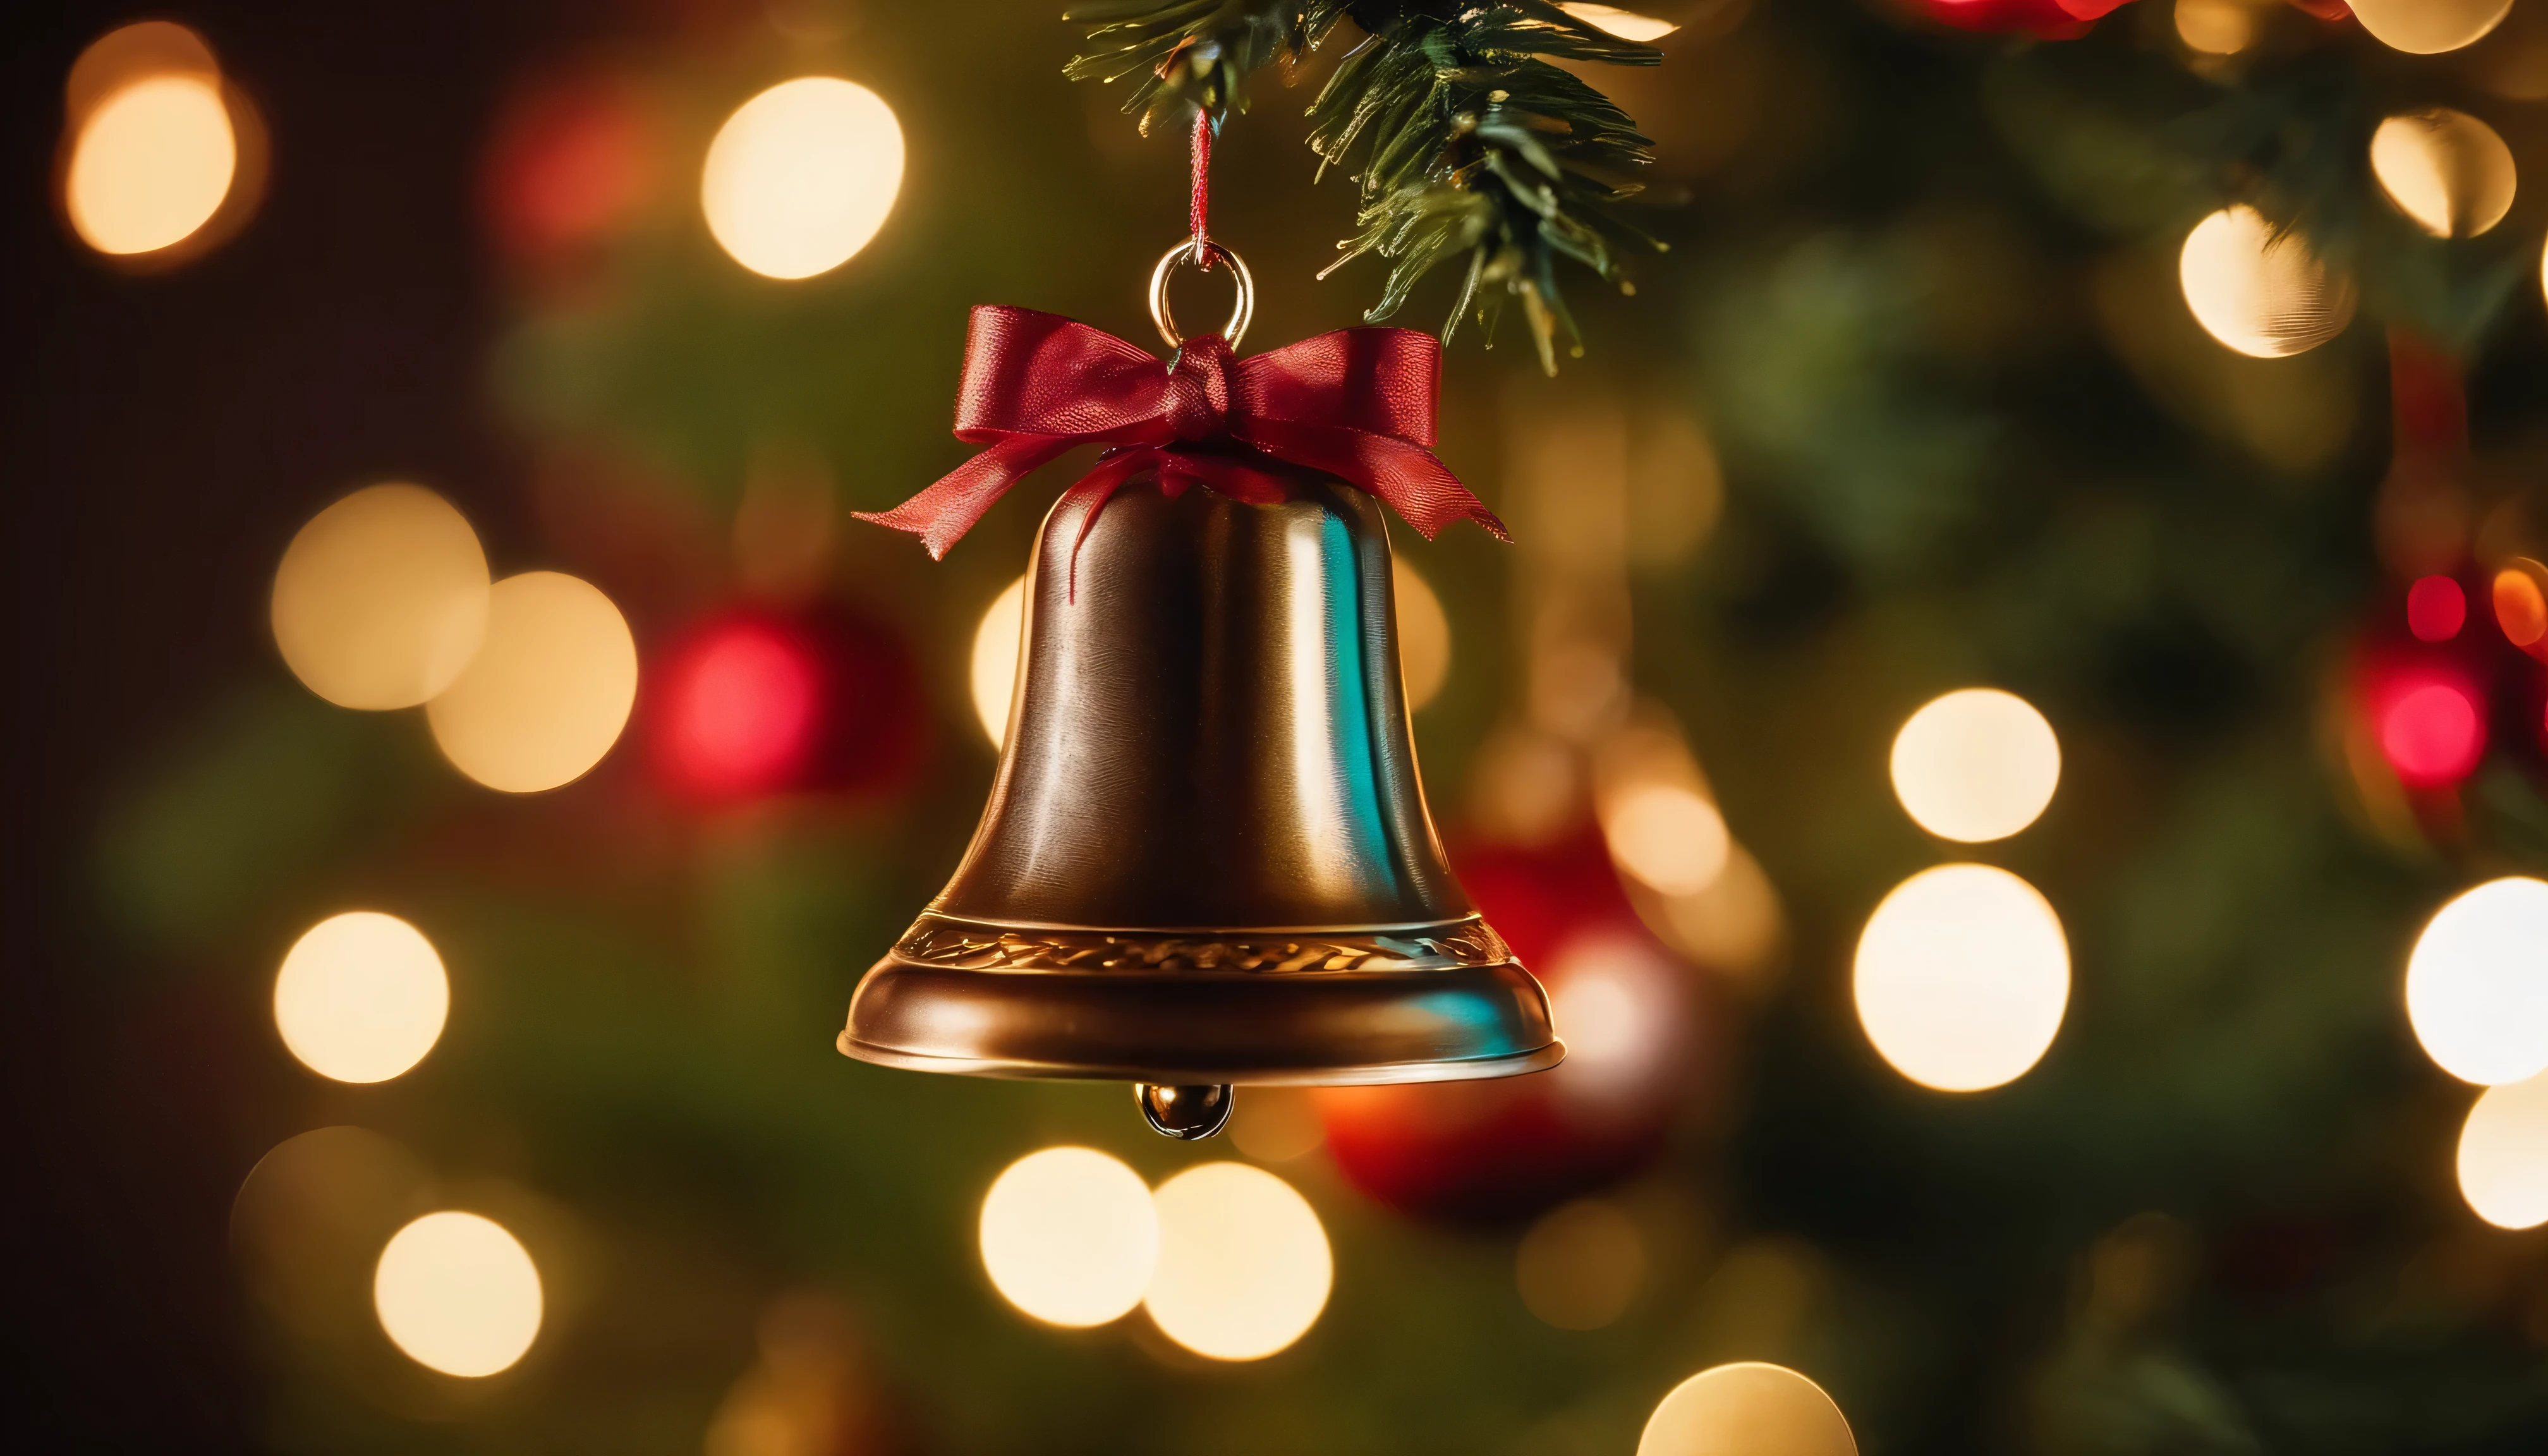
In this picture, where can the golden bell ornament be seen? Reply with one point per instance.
(1206, 860)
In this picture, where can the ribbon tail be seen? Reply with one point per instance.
(941, 512)
(1097, 487)
(1418, 486)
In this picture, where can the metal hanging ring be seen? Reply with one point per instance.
(1241, 310)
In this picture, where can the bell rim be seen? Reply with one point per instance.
(1398, 1073)
(1176, 1021)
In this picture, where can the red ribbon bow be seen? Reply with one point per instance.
(1356, 404)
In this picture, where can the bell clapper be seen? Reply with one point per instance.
(1185, 1113)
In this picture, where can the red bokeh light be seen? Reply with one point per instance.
(2437, 609)
(2051, 20)
(570, 161)
(741, 706)
(2430, 728)
(822, 699)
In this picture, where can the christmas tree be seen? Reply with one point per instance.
(2024, 608)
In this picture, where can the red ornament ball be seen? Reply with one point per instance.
(757, 702)
(1483, 1153)
(2050, 20)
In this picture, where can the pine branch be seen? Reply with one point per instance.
(1194, 54)
(1468, 140)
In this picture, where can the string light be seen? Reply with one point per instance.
(381, 599)
(996, 645)
(802, 175)
(361, 997)
(2444, 168)
(1975, 765)
(742, 709)
(1423, 636)
(1747, 1409)
(1243, 1266)
(2263, 295)
(2216, 27)
(151, 165)
(1667, 837)
(2477, 983)
(2429, 728)
(2430, 27)
(458, 1294)
(1069, 1237)
(1627, 25)
(2437, 609)
(2504, 1155)
(1275, 1125)
(1579, 1267)
(1962, 978)
(2520, 607)
(548, 692)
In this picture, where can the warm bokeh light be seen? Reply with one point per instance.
(458, 1294)
(2477, 984)
(1581, 1266)
(1733, 928)
(1747, 1409)
(2216, 27)
(813, 1391)
(1069, 1237)
(2444, 168)
(1621, 1006)
(152, 164)
(2430, 729)
(802, 175)
(1243, 1263)
(1975, 765)
(1667, 837)
(996, 644)
(2520, 607)
(1423, 637)
(741, 706)
(1627, 25)
(2430, 27)
(381, 599)
(310, 1219)
(548, 692)
(1962, 978)
(2263, 295)
(1275, 1125)
(129, 53)
(2504, 1155)
(361, 997)
(2437, 609)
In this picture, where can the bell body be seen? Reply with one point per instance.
(1206, 858)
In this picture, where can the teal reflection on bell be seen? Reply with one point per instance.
(1206, 858)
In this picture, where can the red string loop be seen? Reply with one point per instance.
(1201, 200)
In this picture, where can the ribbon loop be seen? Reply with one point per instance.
(1357, 404)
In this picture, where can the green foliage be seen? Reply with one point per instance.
(1191, 53)
(2134, 145)
(1468, 141)
(256, 800)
